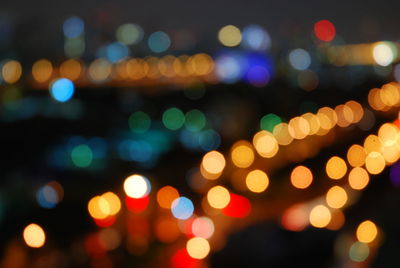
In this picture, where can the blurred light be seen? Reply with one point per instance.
(372, 144)
(11, 71)
(137, 205)
(182, 208)
(137, 186)
(213, 162)
(159, 42)
(50, 195)
(299, 59)
(218, 197)
(258, 76)
(82, 156)
(375, 163)
(395, 174)
(181, 259)
(198, 247)
(257, 181)
(34, 235)
(238, 207)
(269, 121)
(324, 30)
(202, 64)
(295, 218)
(242, 154)
(337, 221)
(384, 53)
(113, 202)
(356, 155)
(195, 120)
(99, 70)
(129, 34)
(203, 227)
(336, 197)
(110, 238)
(71, 69)
(256, 38)
(173, 118)
(229, 68)
(166, 229)
(358, 178)
(282, 134)
(299, 128)
(99, 207)
(229, 36)
(367, 232)
(336, 168)
(139, 122)
(74, 47)
(308, 80)
(359, 252)
(73, 27)
(42, 70)
(166, 195)
(320, 216)
(62, 89)
(301, 177)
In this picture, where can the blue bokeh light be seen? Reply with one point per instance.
(62, 89)
(182, 208)
(159, 42)
(73, 27)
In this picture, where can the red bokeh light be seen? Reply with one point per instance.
(137, 204)
(106, 222)
(238, 207)
(324, 30)
(181, 259)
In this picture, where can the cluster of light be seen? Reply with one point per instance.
(385, 98)
(301, 177)
(257, 181)
(137, 186)
(218, 197)
(103, 206)
(34, 235)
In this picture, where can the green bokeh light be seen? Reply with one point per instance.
(269, 121)
(195, 120)
(139, 122)
(173, 118)
(359, 252)
(82, 156)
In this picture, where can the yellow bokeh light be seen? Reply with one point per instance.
(198, 247)
(356, 155)
(11, 71)
(357, 109)
(282, 134)
(327, 118)
(257, 181)
(358, 178)
(136, 186)
(345, 115)
(98, 207)
(336, 197)
(218, 197)
(242, 154)
(166, 195)
(313, 122)
(367, 232)
(230, 36)
(301, 177)
(202, 64)
(375, 163)
(390, 153)
(383, 53)
(213, 162)
(100, 70)
(42, 70)
(390, 95)
(265, 144)
(336, 168)
(113, 202)
(71, 69)
(388, 134)
(320, 216)
(34, 236)
(299, 128)
(372, 144)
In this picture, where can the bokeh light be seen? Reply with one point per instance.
(166, 195)
(203, 227)
(320, 216)
(266, 144)
(301, 177)
(198, 247)
(213, 162)
(358, 178)
(366, 232)
(182, 208)
(229, 36)
(129, 33)
(62, 89)
(159, 42)
(218, 197)
(299, 59)
(257, 181)
(336, 197)
(324, 30)
(336, 168)
(137, 186)
(34, 235)
(242, 154)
